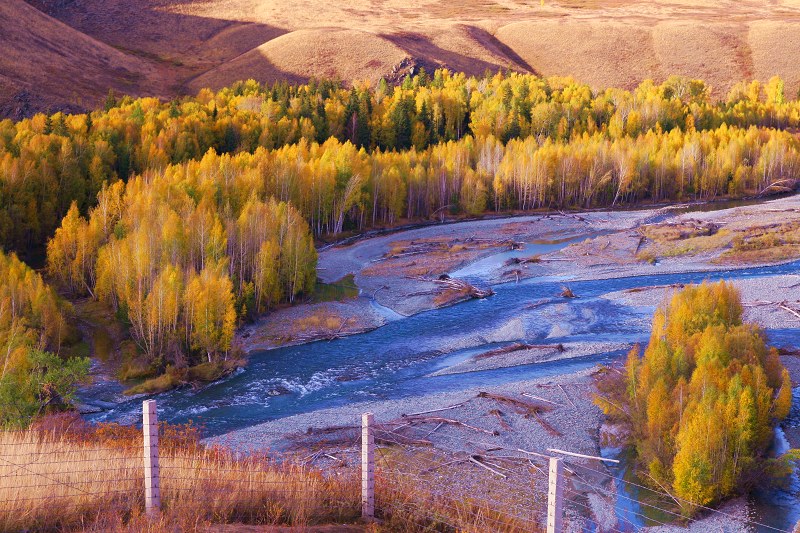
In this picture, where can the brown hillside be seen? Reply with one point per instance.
(45, 64)
(168, 47)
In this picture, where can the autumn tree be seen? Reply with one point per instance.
(702, 400)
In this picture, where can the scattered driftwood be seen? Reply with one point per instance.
(434, 430)
(516, 347)
(337, 459)
(449, 407)
(527, 409)
(567, 396)
(516, 273)
(576, 217)
(582, 456)
(437, 467)
(497, 413)
(529, 395)
(476, 459)
(451, 422)
(391, 437)
(523, 260)
(780, 186)
(566, 292)
(458, 285)
(788, 309)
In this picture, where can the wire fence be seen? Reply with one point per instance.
(468, 481)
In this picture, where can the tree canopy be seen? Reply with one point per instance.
(702, 400)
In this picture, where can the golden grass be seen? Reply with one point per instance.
(52, 482)
(429, 257)
(764, 244)
(65, 475)
(743, 245)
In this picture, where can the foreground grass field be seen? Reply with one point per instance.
(67, 479)
(65, 475)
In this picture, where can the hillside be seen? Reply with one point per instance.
(169, 47)
(46, 64)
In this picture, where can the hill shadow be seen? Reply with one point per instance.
(430, 55)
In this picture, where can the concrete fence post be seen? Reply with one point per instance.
(367, 467)
(152, 483)
(555, 497)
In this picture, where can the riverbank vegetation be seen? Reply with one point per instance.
(702, 401)
(37, 373)
(181, 258)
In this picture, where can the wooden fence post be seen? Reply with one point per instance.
(367, 467)
(152, 483)
(555, 497)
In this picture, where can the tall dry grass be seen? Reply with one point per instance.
(66, 475)
(52, 481)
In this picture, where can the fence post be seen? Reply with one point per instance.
(152, 484)
(555, 497)
(367, 467)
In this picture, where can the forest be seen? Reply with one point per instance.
(435, 145)
(701, 401)
(186, 218)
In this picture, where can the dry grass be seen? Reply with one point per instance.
(320, 321)
(65, 475)
(736, 245)
(164, 47)
(764, 244)
(680, 239)
(52, 480)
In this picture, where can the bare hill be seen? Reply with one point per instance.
(46, 64)
(168, 47)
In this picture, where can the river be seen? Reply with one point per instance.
(396, 360)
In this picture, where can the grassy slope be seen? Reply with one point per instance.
(171, 46)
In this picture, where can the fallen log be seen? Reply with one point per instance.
(546, 425)
(785, 307)
(472, 459)
(567, 396)
(449, 407)
(528, 410)
(529, 395)
(499, 415)
(448, 421)
(521, 406)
